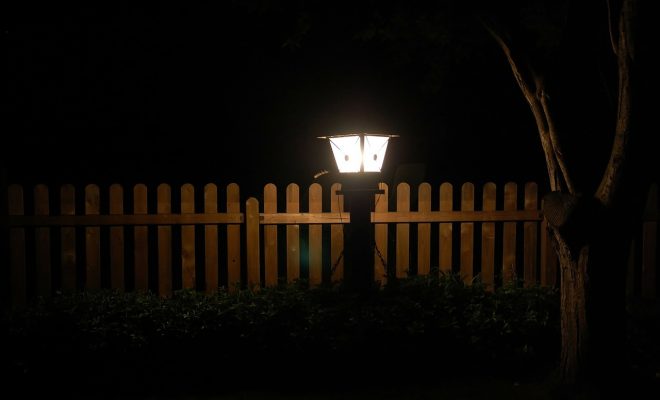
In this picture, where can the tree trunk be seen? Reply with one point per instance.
(574, 327)
(591, 243)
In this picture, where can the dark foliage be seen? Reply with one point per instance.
(419, 328)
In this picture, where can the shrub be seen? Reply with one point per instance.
(274, 335)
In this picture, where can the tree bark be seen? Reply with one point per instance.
(574, 327)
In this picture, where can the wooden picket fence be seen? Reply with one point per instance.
(133, 241)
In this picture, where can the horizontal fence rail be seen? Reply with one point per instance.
(149, 239)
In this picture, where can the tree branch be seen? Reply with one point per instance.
(610, 181)
(535, 106)
(554, 138)
(609, 27)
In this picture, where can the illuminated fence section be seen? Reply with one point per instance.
(163, 239)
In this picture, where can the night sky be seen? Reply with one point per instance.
(239, 91)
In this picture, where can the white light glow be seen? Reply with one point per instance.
(374, 152)
(347, 152)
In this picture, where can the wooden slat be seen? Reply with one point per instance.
(130, 220)
(509, 235)
(270, 236)
(233, 238)
(380, 232)
(456, 216)
(530, 237)
(304, 218)
(141, 239)
(92, 240)
(117, 239)
(164, 206)
(548, 257)
(488, 238)
(188, 238)
(273, 218)
(15, 205)
(402, 232)
(42, 243)
(445, 236)
(649, 242)
(211, 281)
(292, 234)
(467, 234)
(68, 239)
(253, 245)
(315, 236)
(337, 235)
(424, 231)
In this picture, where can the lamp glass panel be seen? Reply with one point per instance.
(374, 152)
(347, 152)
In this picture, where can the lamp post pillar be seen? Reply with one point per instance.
(359, 239)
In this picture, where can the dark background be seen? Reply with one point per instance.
(239, 91)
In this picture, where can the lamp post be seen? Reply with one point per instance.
(359, 159)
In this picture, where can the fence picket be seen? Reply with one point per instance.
(68, 238)
(380, 237)
(117, 239)
(402, 232)
(467, 234)
(42, 243)
(315, 236)
(233, 238)
(188, 238)
(509, 232)
(252, 236)
(424, 231)
(141, 239)
(488, 238)
(92, 239)
(548, 257)
(530, 237)
(270, 236)
(164, 206)
(211, 281)
(445, 236)
(76, 276)
(18, 278)
(292, 234)
(336, 235)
